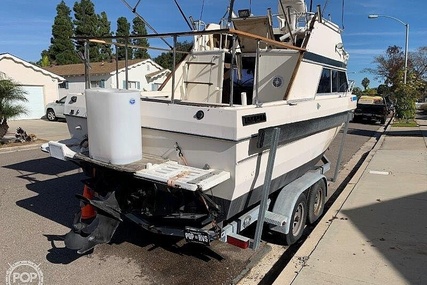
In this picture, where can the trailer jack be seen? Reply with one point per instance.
(84, 235)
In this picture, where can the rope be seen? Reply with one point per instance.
(180, 154)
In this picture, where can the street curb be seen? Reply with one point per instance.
(300, 258)
(21, 148)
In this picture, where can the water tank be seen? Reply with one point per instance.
(114, 125)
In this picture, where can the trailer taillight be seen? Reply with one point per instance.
(238, 240)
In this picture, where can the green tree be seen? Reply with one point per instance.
(357, 91)
(44, 61)
(365, 83)
(389, 67)
(165, 59)
(138, 29)
(382, 89)
(104, 29)
(419, 63)
(123, 28)
(10, 93)
(61, 51)
(419, 71)
(86, 24)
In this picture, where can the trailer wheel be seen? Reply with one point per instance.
(299, 216)
(316, 201)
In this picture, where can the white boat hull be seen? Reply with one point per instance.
(235, 148)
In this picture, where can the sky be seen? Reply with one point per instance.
(26, 25)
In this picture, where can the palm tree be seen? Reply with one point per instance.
(365, 83)
(10, 92)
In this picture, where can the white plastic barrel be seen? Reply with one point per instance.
(114, 125)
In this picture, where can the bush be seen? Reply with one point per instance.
(405, 101)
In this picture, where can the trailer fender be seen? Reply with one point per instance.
(289, 194)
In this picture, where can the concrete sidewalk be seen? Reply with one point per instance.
(376, 231)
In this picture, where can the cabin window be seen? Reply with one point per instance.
(325, 81)
(332, 81)
(339, 81)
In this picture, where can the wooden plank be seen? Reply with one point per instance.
(266, 40)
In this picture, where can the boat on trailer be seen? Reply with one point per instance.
(189, 159)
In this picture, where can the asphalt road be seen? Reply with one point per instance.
(37, 204)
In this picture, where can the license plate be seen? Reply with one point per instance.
(196, 235)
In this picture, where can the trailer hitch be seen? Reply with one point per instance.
(84, 236)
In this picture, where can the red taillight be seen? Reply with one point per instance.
(238, 242)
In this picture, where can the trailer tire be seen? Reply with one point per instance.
(316, 201)
(297, 224)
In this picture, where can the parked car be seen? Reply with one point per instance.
(55, 110)
(423, 107)
(371, 108)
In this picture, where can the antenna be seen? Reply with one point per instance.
(182, 14)
(230, 15)
(342, 14)
(324, 7)
(145, 22)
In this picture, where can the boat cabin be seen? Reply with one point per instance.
(251, 63)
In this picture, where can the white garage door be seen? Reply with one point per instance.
(35, 103)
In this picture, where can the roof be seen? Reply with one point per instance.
(156, 73)
(96, 67)
(32, 66)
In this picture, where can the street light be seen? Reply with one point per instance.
(374, 16)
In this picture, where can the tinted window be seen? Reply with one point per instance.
(339, 81)
(325, 82)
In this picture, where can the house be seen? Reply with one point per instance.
(41, 85)
(143, 75)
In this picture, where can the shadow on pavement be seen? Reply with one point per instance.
(56, 196)
(362, 132)
(406, 133)
(56, 201)
(397, 229)
(47, 165)
(60, 254)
